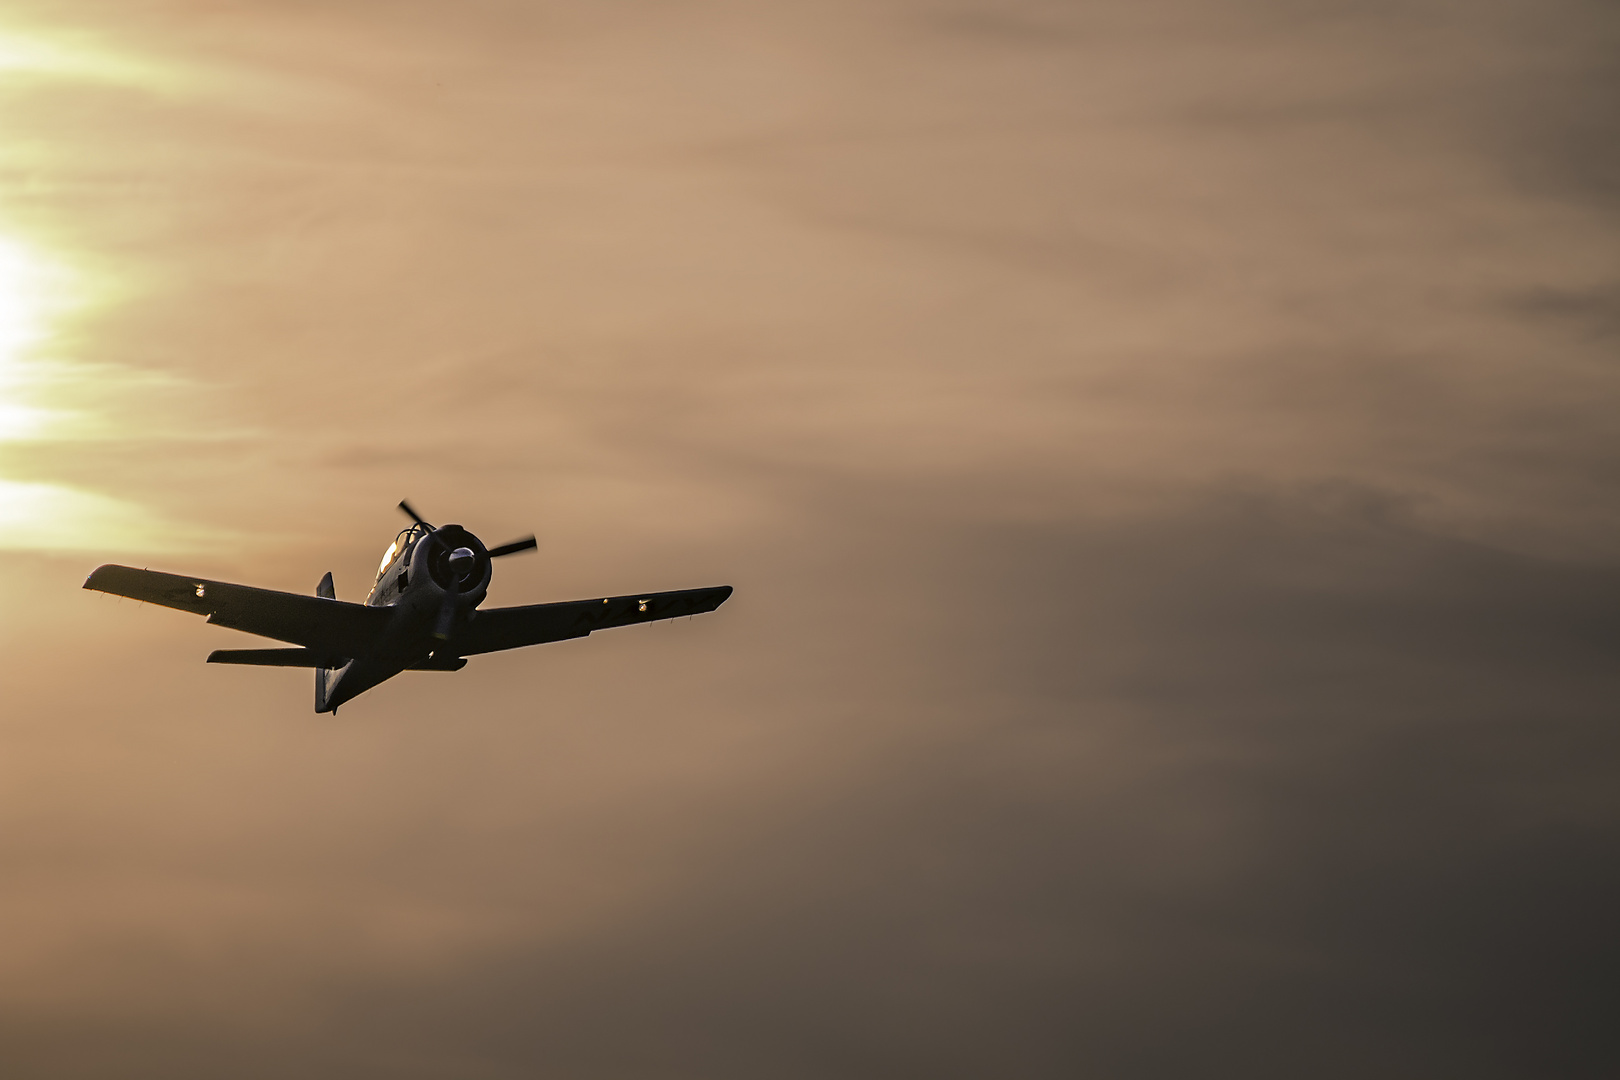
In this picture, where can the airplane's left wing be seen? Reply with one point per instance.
(535, 624)
(334, 627)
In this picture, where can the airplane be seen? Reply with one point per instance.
(422, 613)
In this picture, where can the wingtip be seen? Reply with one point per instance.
(89, 582)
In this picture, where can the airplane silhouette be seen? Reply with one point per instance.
(421, 614)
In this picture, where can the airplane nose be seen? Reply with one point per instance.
(461, 562)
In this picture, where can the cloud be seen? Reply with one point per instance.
(1281, 781)
(1163, 456)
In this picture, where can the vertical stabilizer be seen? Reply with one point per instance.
(325, 589)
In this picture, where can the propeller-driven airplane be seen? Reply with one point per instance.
(421, 615)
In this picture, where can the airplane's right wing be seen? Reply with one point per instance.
(535, 624)
(335, 628)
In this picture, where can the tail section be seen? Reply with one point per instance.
(323, 675)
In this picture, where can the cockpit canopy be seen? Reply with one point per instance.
(401, 547)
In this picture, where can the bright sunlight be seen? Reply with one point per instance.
(38, 295)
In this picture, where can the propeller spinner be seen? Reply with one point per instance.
(462, 560)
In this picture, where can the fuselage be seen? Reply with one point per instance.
(427, 606)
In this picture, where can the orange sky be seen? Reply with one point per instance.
(1164, 452)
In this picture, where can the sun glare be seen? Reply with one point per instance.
(54, 518)
(32, 292)
(30, 55)
(39, 293)
(22, 298)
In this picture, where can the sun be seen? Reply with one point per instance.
(41, 296)
(31, 292)
(37, 295)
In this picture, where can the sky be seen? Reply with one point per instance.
(1165, 453)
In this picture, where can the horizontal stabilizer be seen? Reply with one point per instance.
(277, 658)
(310, 658)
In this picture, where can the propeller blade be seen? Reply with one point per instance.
(414, 516)
(528, 543)
(447, 617)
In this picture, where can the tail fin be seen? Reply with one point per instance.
(326, 590)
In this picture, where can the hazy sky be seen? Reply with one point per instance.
(1166, 452)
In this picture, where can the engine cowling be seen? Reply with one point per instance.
(457, 564)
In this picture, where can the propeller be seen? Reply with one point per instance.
(462, 563)
(412, 514)
(457, 561)
(528, 543)
(447, 613)
(453, 563)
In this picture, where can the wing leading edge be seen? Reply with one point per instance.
(535, 624)
(333, 628)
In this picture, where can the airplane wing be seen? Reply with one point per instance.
(333, 627)
(535, 624)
